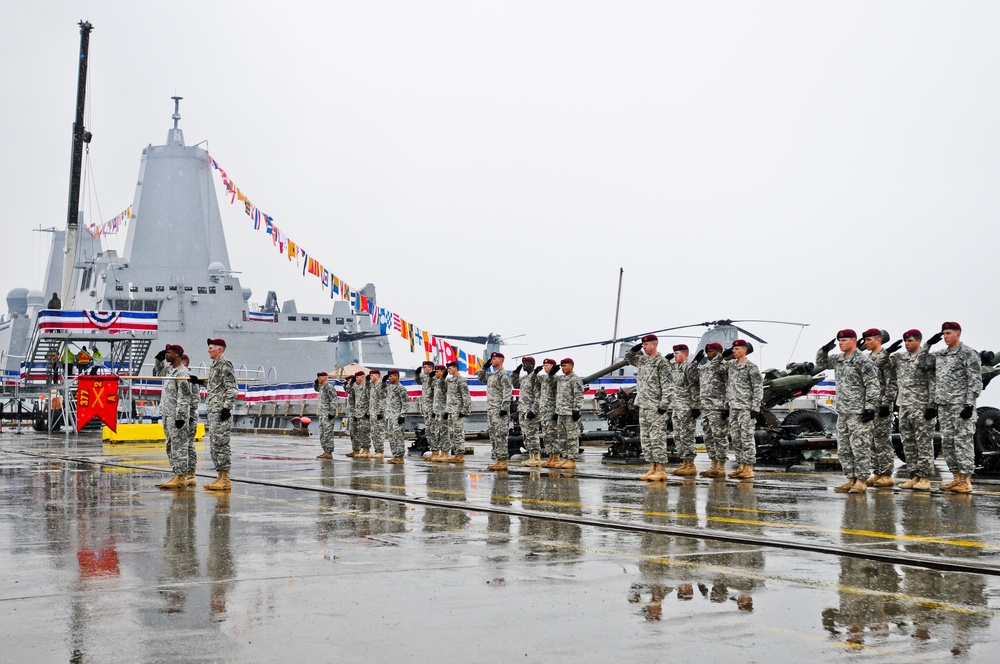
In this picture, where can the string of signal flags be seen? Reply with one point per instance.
(386, 320)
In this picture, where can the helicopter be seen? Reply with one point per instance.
(493, 341)
(347, 347)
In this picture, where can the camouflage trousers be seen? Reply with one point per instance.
(180, 446)
(714, 430)
(883, 454)
(567, 437)
(854, 445)
(918, 441)
(218, 434)
(377, 426)
(531, 429)
(956, 439)
(362, 434)
(684, 433)
(741, 428)
(326, 433)
(499, 428)
(395, 437)
(454, 434)
(548, 431)
(653, 435)
(436, 432)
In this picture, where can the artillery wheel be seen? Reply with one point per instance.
(987, 440)
(799, 422)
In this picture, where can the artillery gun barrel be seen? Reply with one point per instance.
(605, 371)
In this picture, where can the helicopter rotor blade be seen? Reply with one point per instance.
(749, 334)
(777, 322)
(504, 340)
(665, 329)
(549, 350)
(457, 337)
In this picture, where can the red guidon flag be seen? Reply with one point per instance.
(97, 396)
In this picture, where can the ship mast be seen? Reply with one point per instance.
(80, 136)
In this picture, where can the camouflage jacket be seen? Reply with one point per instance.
(425, 381)
(327, 400)
(915, 383)
(221, 386)
(175, 399)
(528, 400)
(376, 398)
(744, 385)
(546, 393)
(439, 391)
(396, 400)
(569, 393)
(886, 378)
(958, 374)
(498, 389)
(712, 384)
(457, 398)
(686, 390)
(653, 382)
(857, 382)
(362, 404)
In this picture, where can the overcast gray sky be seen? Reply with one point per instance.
(491, 165)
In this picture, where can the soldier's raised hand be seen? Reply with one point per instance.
(935, 338)
(699, 356)
(668, 357)
(636, 348)
(728, 353)
(828, 346)
(896, 345)
(537, 369)
(517, 369)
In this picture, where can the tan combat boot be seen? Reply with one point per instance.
(190, 479)
(567, 464)
(710, 471)
(379, 455)
(910, 483)
(871, 480)
(351, 454)
(738, 473)
(949, 485)
(687, 469)
(395, 460)
(659, 473)
(501, 465)
(434, 455)
(964, 485)
(922, 484)
(883, 482)
(551, 460)
(845, 487)
(646, 475)
(221, 483)
(747, 472)
(175, 482)
(325, 455)
(534, 459)
(859, 487)
(457, 459)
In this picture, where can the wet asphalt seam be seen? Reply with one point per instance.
(893, 558)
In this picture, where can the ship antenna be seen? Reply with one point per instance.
(177, 110)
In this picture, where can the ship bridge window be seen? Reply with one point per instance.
(340, 320)
(211, 290)
(119, 287)
(202, 290)
(173, 288)
(229, 287)
(148, 289)
(292, 318)
(326, 321)
(188, 288)
(350, 320)
(136, 305)
(85, 279)
(133, 289)
(159, 289)
(316, 318)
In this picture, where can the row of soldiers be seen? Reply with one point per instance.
(376, 407)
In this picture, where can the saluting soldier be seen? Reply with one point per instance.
(222, 393)
(652, 396)
(744, 395)
(915, 387)
(958, 382)
(858, 396)
(569, 401)
(175, 409)
(458, 405)
(712, 395)
(376, 400)
(192, 427)
(883, 453)
(396, 403)
(547, 408)
(498, 396)
(424, 376)
(685, 409)
(527, 408)
(439, 437)
(327, 412)
(360, 416)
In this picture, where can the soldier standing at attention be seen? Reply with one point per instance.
(222, 393)
(883, 454)
(376, 399)
(175, 409)
(396, 403)
(857, 398)
(547, 408)
(458, 404)
(569, 401)
(958, 382)
(192, 428)
(360, 416)
(744, 394)
(527, 409)
(916, 385)
(652, 396)
(685, 408)
(498, 396)
(424, 376)
(439, 438)
(352, 429)
(327, 411)
(712, 394)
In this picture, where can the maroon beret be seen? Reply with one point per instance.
(174, 347)
(440, 367)
(713, 346)
(374, 372)
(427, 363)
(321, 374)
(847, 333)
(185, 357)
(217, 342)
(871, 332)
(914, 334)
(680, 347)
(359, 374)
(497, 353)
(453, 363)
(548, 360)
(740, 343)
(566, 360)
(951, 325)
(649, 337)
(392, 372)
(527, 359)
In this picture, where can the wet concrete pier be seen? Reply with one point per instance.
(347, 560)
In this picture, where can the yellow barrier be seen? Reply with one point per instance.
(130, 433)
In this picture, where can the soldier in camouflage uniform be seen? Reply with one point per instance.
(376, 406)
(685, 408)
(327, 412)
(498, 395)
(192, 428)
(915, 387)
(222, 393)
(858, 396)
(712, 393)
(175, 409)
(439, 430)
(744, 395)
(958, 382)
(527, 408)
(652, 397)
(424, 377)
(458, 405)
(883, 453)
(547, 408)
(360, 416)
(569, 401)
(396, 403)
